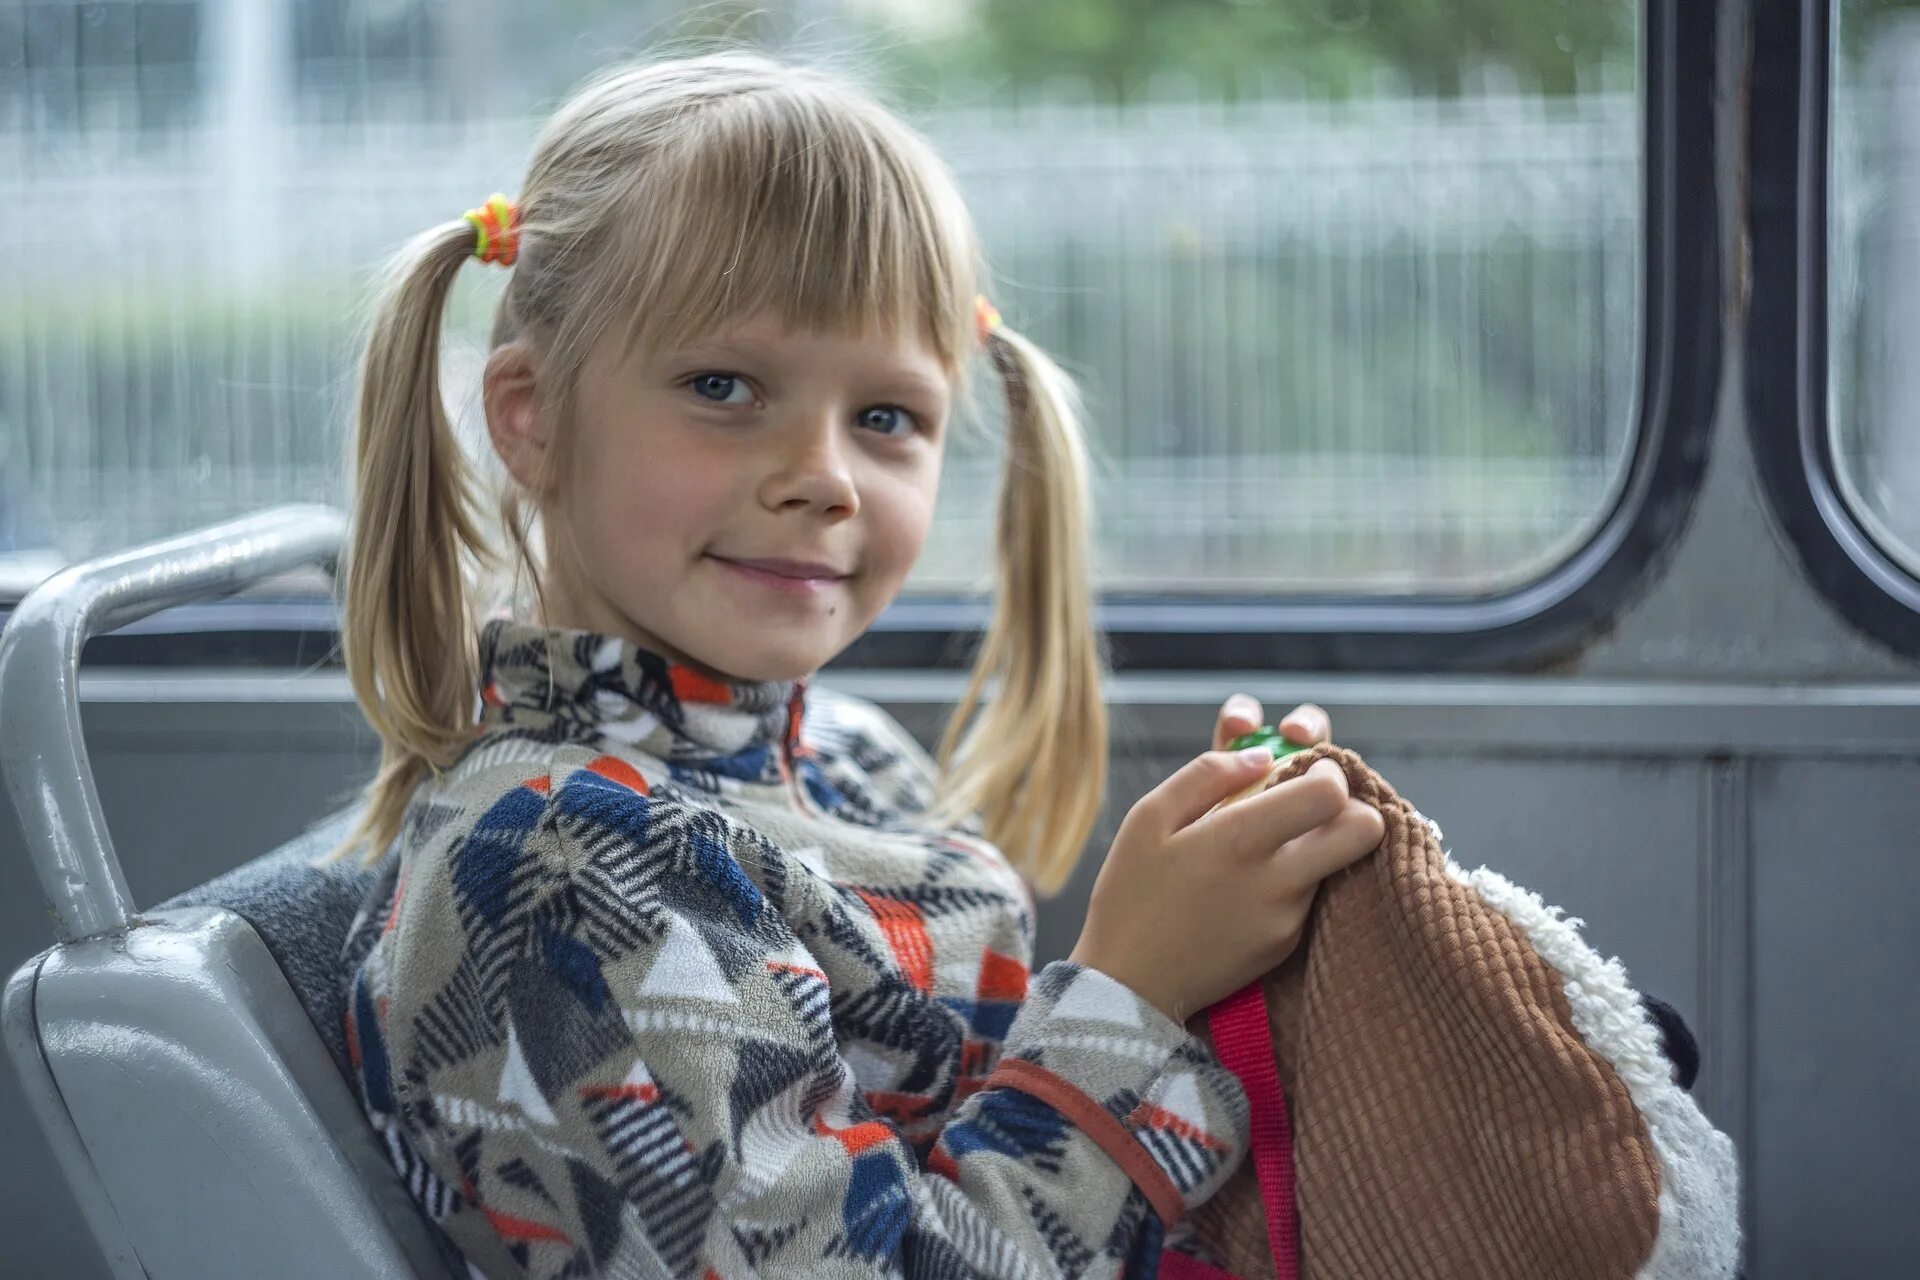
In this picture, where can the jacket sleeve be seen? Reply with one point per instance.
(675, 1092)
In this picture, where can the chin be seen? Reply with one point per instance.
(763, 666)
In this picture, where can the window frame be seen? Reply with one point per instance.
(1787, 398)
(1526, 627)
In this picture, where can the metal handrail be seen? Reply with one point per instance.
(42, 752)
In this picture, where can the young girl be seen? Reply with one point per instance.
(683, 968)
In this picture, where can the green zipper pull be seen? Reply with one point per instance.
(1269, 737)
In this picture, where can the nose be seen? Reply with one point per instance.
(812, 467)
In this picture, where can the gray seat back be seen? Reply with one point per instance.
(194, 1095)
(217, 1134)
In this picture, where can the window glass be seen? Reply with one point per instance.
(1353, 288)
(1873, 270)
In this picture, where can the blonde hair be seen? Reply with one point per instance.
(673, 198)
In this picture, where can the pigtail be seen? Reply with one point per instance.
(1034, 762)
(408, 630)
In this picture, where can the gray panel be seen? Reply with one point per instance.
(1733, 605)
(1836, 994)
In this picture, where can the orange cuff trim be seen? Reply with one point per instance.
(1097, 1123)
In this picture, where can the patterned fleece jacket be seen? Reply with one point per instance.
(671, 979)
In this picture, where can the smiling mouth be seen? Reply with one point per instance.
(778, 581)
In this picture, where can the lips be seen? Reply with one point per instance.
(799, 570)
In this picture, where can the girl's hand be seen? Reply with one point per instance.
(1192, 905)
(1306, 724)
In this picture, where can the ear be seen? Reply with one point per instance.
(519, 430)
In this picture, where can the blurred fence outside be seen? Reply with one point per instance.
(1387, 345)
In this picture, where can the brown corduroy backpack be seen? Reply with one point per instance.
(1467, 1090)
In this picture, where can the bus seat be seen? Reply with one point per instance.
(301, 912)
(185, 1062)
(196, 1062)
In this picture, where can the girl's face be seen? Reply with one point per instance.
(756, 444)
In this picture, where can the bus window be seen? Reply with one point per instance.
(1299, 254)
(1873, 269)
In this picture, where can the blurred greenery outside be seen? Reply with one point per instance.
(1382, 369)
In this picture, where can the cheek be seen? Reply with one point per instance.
(901, 521)
(636, 528)
(622, 517)
(629, 498)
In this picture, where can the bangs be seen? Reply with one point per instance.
(820, 211)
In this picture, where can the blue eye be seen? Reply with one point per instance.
(884, 417)
(720, 388)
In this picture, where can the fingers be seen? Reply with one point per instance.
(1238, 714)
(1307, 724)
(1263, 823)
(1354, 833)
(1200, 784)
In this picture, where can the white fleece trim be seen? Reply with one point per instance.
(1698, 1237)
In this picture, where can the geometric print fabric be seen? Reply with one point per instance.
(672, 982)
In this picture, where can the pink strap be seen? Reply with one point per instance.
(1243, 1042)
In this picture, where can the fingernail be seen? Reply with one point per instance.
(1250, 755)
(1241, 705)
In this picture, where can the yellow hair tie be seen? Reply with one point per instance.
(986, 317)
(496, 230)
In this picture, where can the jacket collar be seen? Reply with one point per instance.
(563, 684)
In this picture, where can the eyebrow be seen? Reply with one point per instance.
(905, 381)
(717, 348)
